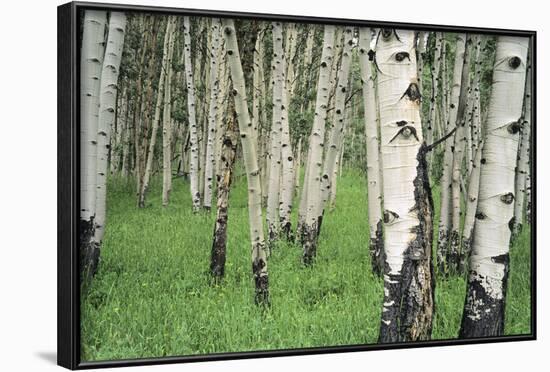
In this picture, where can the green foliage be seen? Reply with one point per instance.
(153, 296)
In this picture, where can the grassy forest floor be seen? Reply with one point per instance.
(153, 297)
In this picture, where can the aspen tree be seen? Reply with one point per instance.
(259, 252)
(408, 279)
(106, 118)
(278, 67)
(156, 117)
(445, 214)
(523, 158)
(453, 253)
(484, 306)
(434, 71)
(167, 125)
(93, 48)
(212, 115)
(224, 179)
(376, 243)
(287, 156)
(316, 143)
(193, 130)
(336, 129)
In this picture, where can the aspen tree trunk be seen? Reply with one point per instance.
(484, 306)
(224, 179)
(453, 255)
(167, 125)
(302, 208)
(435, 90)
(193, 130)
(446, 178)
(376, 243)
(297, 165)
(212, 115)
(471, 208)
(287, 156)
(336, 129)
(223, 100)
(93, 47)
(523, 160)
(420, 51)
(316, 143)
(156, 118)
(276, 133)
(256, 98)
(107, 109)
(408, 279)
(259, 253)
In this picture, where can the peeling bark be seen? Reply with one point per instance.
(408, 279)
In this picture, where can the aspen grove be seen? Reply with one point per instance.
(302, 177)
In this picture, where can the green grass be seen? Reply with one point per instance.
(153, 297)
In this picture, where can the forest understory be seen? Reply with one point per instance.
(153, 294)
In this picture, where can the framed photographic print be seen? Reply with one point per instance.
(236, 185)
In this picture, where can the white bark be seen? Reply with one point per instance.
(193, 130)
(93, 48)
(489, 262)
(212, 115)
(276, 133)
(376, 244)
(313, 179)
(336, 133)
(107, 109)
(167, 124)
(249, 149)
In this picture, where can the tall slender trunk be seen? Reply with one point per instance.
(93, 48)
(297, 165)
(376, 243)
(408, 304)
(471, 208)
(156, 118)
(167, 124)
(446, 178)
(336, 133)
(106, 118)
(453, 254)
(316, 143)
(212, 115)
(259, 252)
(276, 133)
(224, 179)
(193, 130)
(434, 71)
(484, 306)
(523, 159)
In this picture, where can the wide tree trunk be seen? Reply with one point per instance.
(446, 178)
(224, 179)
(107, 109)
(212, 115)
(156, 118)
(376, 243)
(193, 130)
(484, 306)
(316, 143)
(250, 156)
(91, 63)
(167, 124)
(408, 304)
(276, 133)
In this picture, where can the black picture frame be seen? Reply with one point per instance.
(68, 186)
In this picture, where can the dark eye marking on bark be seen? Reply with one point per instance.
(501, 259)
(401, 123)
(390, 216)
(323, 64)
(235, 92)
(483, 161)
(514, 62)
(406, 132)
(514, 127)
(401, 56)
(507, 198)
(480, 216)
(386, 33)
(413, 93)
(371, 54)
(512, 223)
